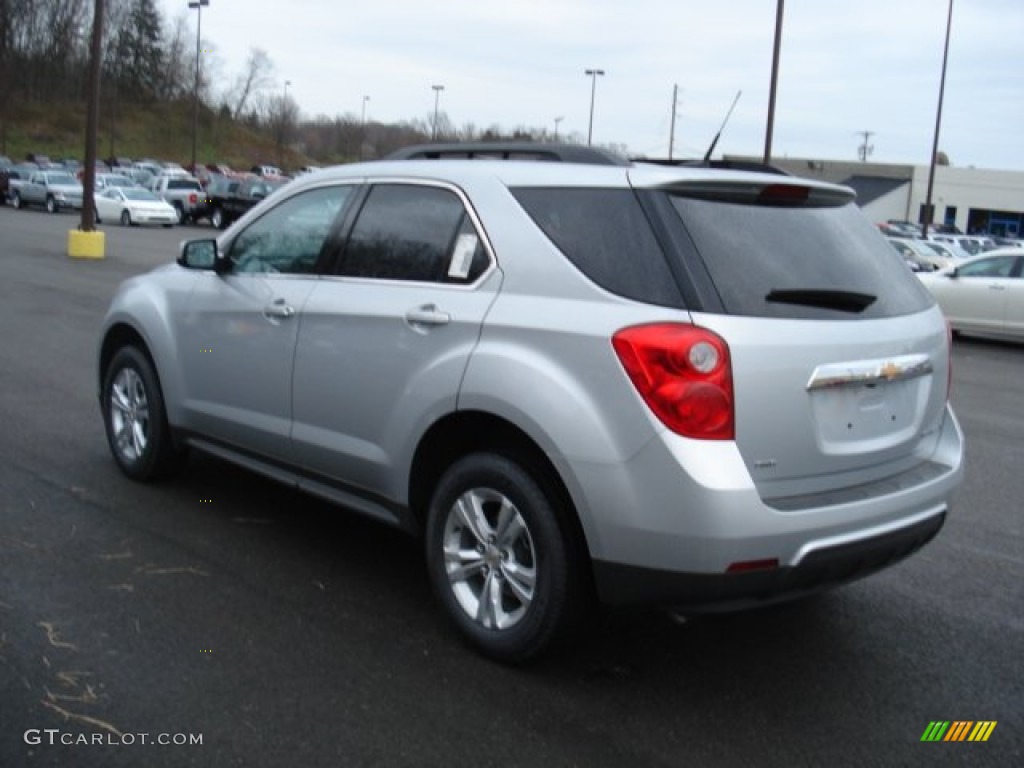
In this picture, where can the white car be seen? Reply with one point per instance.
(133, 205)
(917, 252)
(982, 295)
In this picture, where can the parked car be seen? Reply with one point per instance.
(229, 199)
(140, 176)
(40, 161)
(983, 295)
(13, 178)
(702, 388)
(54, 190)
(947, 250)
(133, 205)
(266, 171)
(917, 251)
(184, 193)
(104, 180)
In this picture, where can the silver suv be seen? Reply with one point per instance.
(685, 386)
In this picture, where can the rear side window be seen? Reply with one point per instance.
(606, 235)
(799, 262)
(417, 233)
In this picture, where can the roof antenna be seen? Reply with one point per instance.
(714, 141)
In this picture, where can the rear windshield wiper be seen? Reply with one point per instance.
(843, 301)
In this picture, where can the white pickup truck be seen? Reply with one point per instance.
(53, 190)
(184, 193)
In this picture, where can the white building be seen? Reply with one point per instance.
(971, 199)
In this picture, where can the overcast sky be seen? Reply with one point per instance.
(846, 67)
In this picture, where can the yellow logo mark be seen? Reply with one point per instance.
(890, 371)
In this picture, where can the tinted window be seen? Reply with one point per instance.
(289, 237)
(407, 232)
(183, 184)
(605, 233)
(795, 261)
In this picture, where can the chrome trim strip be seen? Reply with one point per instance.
(867, 372)
(863, 534)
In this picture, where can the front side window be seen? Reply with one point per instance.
(289, 238)
(411, 232)
(995, 267)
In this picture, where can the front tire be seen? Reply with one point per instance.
(51, 205)
(135, 417)
(126, 218)
(16, 201)
(499, 561)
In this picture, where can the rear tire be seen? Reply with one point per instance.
(135, 417)
(217, 219)
(179, 211)
(500, 562)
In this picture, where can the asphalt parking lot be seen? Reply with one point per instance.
(284, 632)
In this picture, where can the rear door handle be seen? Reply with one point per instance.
(428, 314)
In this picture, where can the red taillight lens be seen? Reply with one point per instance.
(684, 375)
(193, 199)
(783, 194)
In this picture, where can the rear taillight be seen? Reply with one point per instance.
(684, 375)
(193, 199)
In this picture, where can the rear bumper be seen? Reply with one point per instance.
(667, 526)
(821, 569)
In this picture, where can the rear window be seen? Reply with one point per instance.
(183, 184)
(798, 262)
(606, 235)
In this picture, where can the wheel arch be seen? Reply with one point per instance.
(121, 333)
(464, 432)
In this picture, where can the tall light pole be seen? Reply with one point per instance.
(557, 121)
(198, 5)
(927, 215)
(437, 99)
(592, 74)
(362, 127)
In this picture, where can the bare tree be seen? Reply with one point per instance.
(256, 76)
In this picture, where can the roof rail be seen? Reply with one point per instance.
(722, 165)
(509, 150)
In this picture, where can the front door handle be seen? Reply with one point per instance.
(428, 314)
(279, 309)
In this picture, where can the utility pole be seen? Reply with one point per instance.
(774, 86)
(928, 213)
(865, 150)
(672, 130)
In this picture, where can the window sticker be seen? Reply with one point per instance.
(462, 257)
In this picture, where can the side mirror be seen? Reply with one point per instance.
(203, 254)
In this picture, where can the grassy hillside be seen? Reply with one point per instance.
(160, 130)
